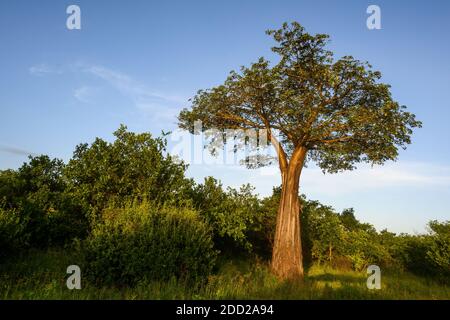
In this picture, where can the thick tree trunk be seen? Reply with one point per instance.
(287, 250)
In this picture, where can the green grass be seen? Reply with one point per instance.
(42, 275)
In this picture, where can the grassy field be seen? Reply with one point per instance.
(42, 275)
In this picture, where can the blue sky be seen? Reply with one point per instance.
(137, 63)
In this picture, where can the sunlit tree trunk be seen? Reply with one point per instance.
(287, 250)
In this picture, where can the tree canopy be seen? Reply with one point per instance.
(335, 108)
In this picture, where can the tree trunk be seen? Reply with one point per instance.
(287, 250)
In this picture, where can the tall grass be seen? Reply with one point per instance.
(42, 275)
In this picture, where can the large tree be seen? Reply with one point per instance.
(334, 112)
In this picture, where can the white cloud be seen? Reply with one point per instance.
(43, 69)
(161, 106)
(85, 94)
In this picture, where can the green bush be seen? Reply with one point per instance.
(133, 166)
(438, 253)
(363, 248)
(12, 233)
(233, 214)
(43, 210)
(140, 242)
(426, 254)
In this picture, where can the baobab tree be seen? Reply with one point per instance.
(313, 107)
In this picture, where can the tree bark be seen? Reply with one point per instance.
(287, 260)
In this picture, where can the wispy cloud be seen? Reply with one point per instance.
(160, 105)
(85, 94)
(15, 151)
(144, 98)
(44, 69)
(129, 86)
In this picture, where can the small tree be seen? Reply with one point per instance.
(326, 230)
(133, 166)
(333, 112)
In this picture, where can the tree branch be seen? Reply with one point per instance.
(282, 157)
(340, 139)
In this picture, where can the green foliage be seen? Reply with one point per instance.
(12, 233)
(134, 166)
(263, 232)
(427, 255)
(46, 203)
(349, 220)
(325, 230)
(336, 109)
(9, 189)
(438, 252)
(45, 213)
(142, 242)
(328, 237)
(363, 248)
(232, 214)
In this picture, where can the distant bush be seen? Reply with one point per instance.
(140, 242)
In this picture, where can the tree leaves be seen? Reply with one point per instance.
(337, 109)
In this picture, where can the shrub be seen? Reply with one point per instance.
(426, 254)
(35, 195)
(233, 214)
(132, 166)
(12, 233)
(139, 242)
(363, 248)
(438, 253)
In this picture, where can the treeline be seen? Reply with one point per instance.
(132, 215)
